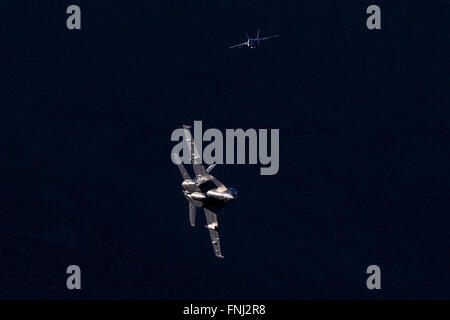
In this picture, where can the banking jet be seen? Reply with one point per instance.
(253, 42)
(204, 191)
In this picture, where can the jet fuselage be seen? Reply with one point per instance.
(205, 193)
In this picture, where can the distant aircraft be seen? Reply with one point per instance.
(253, 42)
(204, 191)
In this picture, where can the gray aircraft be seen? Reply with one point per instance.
(253, 42)
(204, 191)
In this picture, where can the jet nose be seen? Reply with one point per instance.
(230, 197)
(232, 193)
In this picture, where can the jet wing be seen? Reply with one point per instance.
(180, 166)
(238, 45)
(267, 38)
(212, 225)
(195, 156)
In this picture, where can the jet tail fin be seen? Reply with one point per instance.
(192, 214)
(210, 168)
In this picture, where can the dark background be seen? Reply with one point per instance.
(86, 177)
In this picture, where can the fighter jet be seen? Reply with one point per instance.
(253, 42)
(204, 191)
